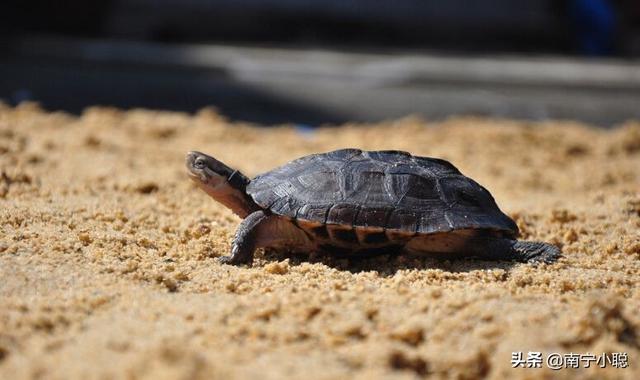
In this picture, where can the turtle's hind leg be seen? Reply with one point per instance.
(535, 251)
(507, 249)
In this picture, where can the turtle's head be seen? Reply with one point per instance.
(206, 171)
(222, 183)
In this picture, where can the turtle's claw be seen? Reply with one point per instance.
(225, 259)
(234, 260)
(537, 252)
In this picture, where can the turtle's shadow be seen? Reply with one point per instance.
(388, 264)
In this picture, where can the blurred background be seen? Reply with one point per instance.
(313, 62)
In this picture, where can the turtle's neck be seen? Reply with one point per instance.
(232, 197)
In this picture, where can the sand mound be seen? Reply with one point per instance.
(107, 255)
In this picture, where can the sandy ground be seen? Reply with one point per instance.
(108, 269)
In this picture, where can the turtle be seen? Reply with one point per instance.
(356, 203)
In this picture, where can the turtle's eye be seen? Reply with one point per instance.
(200, 163)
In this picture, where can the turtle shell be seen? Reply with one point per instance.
(390, 190)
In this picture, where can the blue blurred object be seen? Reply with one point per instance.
(595, 26)
(21, 95)
(305, 130)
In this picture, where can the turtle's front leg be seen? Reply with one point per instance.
(246, 239)
(261, 230)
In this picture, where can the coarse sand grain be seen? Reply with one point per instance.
(108, 255)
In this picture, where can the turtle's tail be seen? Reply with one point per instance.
(535, 252)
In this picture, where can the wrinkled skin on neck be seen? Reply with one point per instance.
(222, 183)
(230, 197)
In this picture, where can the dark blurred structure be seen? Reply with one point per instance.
(129, 53)
(549, 26)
